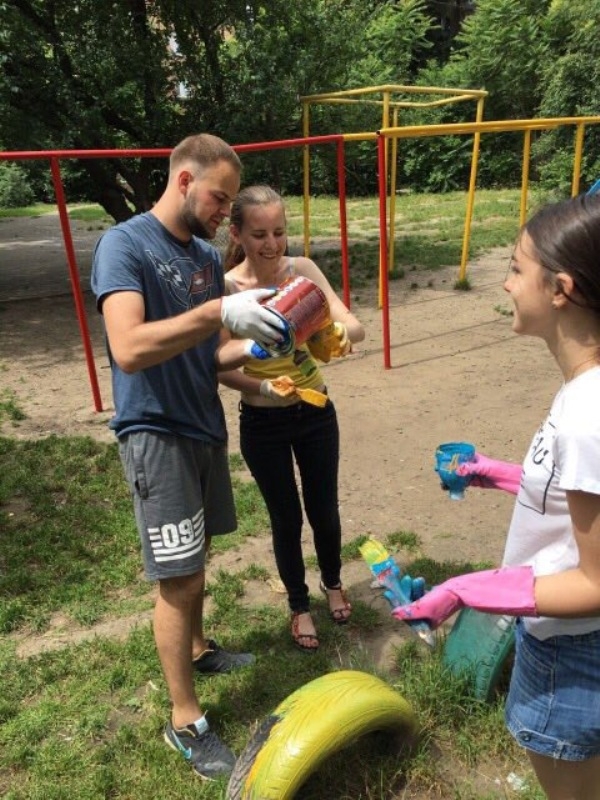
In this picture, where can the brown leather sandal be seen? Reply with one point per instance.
(341, 614)
(307, 642)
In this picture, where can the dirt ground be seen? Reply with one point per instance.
(458, 373)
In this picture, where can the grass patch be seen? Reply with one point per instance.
(86, 721)
(65, 510)
(9, 407)
(36, 210)
(69, 541)
(504, 311)
(404, 540)
(95, 710)
(463, 285)
(428, 230)
(91, 213)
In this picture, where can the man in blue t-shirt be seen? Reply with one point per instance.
(159, 287)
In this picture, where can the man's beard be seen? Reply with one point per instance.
(195, 226)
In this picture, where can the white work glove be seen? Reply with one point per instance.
(242, 314)
(268, 390)
(254, 350)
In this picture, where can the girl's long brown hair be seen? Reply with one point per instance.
(258, 195)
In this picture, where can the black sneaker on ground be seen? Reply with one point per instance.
(216, 660)
(207, 754)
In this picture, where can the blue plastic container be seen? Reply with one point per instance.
(447, 458)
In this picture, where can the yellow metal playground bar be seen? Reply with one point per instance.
(388, 104)
(394, 132)
(500, 126)
(477, 128)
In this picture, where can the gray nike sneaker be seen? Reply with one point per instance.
(217, 661)
(210, 758)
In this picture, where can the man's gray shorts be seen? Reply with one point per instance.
(182, 493)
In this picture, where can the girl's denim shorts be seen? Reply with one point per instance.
(553, 704)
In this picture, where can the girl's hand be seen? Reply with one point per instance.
(488, 473)
(343, 345)
(500, 591)
(280, 395)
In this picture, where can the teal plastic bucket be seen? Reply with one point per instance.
(447, 458)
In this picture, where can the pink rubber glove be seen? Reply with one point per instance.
(487, 473)
(496, 591)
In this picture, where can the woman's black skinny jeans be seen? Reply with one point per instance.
(271, 440)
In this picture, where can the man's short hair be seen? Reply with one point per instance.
(204, 150)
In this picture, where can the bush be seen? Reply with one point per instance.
(15, 188)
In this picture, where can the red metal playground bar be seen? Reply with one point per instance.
(54, 157)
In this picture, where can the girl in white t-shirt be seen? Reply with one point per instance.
(550, 578)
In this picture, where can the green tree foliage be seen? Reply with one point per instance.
(279, 52)
(534, 58)
(285, 51)
(15, 190)
(395, 40)
(88, 75)
(107, 74)
(448, 17)
(441, 163)
(570, 88)
(145, 73)
(500, 48)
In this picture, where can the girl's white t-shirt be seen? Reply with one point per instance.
(564, 455)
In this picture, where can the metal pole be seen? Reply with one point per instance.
(306, 178)
(393, 177)
(341, 167)
(383, 276)
(579, 133)
(75, 283)
(471, 196)
(525, 177)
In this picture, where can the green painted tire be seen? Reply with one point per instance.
(480, 645)
(315, 721)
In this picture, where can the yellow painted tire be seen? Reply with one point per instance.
(315, 721)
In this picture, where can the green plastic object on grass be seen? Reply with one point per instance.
(480, 644)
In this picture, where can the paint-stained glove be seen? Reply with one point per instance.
(496, 591)
(343, 344)
(330, 341)
(488, 473)
(246, 318)
(254, 350)
(280, 396)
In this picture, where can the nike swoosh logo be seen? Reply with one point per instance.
(185, 751)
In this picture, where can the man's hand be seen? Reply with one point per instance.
(254, 350)
(246, 318)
